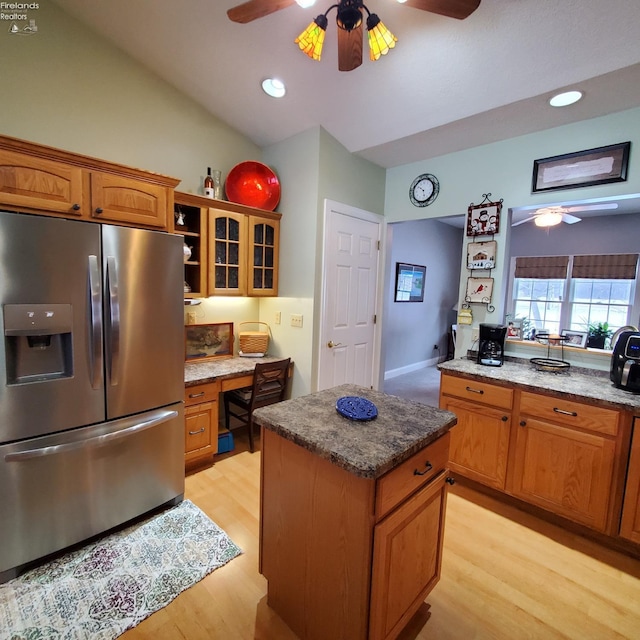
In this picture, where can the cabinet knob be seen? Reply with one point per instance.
(76, 207)
(99, 210)
(450, 480)
(505, 418)
(523, 423)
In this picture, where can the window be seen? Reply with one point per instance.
(572, 292)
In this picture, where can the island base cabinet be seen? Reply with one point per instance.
(336, 567)
(407, 555)
(315, 541)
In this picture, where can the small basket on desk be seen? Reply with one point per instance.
(254, 342)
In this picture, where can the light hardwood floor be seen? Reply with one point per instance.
(505, 575)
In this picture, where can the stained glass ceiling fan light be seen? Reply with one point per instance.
(348, 18)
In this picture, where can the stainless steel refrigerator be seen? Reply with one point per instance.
(91, 381)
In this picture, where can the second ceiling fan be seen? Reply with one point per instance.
(349, 20)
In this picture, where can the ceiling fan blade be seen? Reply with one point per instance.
(516, 224)
(350, 48)
(254, 9)
(570, 219)
(592, 207)
(459, 9)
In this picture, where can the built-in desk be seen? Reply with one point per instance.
(204, 381)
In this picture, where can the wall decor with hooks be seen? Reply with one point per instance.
(484, 218)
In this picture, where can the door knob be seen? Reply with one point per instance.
(332, 344)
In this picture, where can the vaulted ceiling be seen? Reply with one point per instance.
(448, 84)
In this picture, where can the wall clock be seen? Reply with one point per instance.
(424, 190)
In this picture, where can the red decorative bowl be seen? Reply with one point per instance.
(253, 184)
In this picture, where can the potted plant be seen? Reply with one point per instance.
(598, 332)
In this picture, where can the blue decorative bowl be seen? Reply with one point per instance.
(356, 408)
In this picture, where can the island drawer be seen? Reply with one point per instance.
(401, 482)
(207, 392)
(570, 413)
(477, 391)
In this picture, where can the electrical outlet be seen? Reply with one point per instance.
(278, 318)
(475, 334)
(296, 319)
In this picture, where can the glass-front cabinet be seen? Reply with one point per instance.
(233, 249)
(263, 248)
(227, 239)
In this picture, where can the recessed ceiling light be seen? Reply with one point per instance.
(306, 3)
(274, 87)
(566, 98)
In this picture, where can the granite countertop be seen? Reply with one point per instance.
(367, 449)
(211, 370)
(571, 385)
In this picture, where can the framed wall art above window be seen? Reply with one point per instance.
(581, 168)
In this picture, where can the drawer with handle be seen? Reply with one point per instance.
(477, 391)
(571, 413)
(393, 487)
(207, 392)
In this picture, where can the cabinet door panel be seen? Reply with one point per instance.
(565, 471)
(479, 442)
(407, 554)
(120, 199)
(630, 526)
(228, 248)
(45, 185)
(263, 249)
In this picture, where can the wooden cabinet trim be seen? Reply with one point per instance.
(630, 521)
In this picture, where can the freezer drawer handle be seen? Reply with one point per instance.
(114, 321)
(96, 322)
(98, 441)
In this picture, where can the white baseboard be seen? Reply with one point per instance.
(416, 366)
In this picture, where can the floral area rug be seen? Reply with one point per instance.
(111, 585)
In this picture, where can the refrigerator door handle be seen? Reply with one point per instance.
(95, 303)
(98, 441)
(114, 321)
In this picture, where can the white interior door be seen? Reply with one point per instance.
(350, 285)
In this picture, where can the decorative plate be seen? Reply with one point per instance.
(356, 408)
(253, 184)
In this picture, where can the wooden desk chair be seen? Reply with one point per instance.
(269, 386)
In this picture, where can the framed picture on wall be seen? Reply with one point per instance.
(205, 341)
(483, 219)
(409, 282)
(479, 290)
(481, 255)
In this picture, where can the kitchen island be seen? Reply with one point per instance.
(352, 512)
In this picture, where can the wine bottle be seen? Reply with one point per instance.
(208, 184)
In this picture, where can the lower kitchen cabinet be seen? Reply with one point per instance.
(407, 552)
(201, 421)
(347, 557)
(480, 440)
(630, 525)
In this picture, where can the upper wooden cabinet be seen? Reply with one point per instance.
(39, 179)
(130, 201)
(30, 183)
(234, 249)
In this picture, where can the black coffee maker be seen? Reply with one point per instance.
(491, 349)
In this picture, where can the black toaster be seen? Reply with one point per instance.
(625, 361)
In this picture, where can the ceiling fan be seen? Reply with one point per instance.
(551, 216)
(349, 19)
